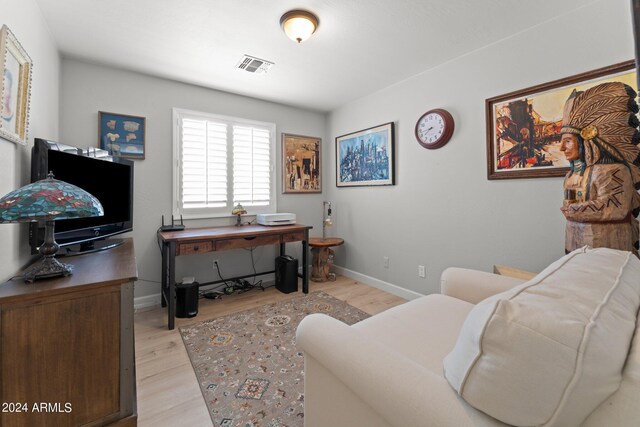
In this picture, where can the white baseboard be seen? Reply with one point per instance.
(149, 301)
(146, 301)
(377, 283)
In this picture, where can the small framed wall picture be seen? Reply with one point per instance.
(301, 164)
(122, 135)
(16, 88)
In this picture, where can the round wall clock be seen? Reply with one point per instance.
(434, 128)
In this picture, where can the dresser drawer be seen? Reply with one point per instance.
(249, 242)
(293, 237)
(194, 248)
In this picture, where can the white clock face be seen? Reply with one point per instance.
(430, 128)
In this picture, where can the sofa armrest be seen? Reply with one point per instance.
(472, 285)
(397, 389)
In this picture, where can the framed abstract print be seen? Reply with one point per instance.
(366, 157)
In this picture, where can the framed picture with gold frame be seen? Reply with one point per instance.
(16, 88)
(301, 164)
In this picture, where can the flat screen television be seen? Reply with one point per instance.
(110, 180)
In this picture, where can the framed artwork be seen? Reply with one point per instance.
(16, 88)
(301, 164)
(523, 127)
(366, 157)
(122, 135)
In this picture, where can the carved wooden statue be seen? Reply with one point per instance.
(599, 138)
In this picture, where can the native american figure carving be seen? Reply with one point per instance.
(600, 140)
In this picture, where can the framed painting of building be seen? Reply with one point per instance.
(366, 157)
(301, 164)
(523, 127)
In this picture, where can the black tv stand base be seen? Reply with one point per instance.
(88, 247)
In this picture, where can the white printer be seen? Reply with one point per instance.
(276, 219)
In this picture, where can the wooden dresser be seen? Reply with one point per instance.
(67, 345)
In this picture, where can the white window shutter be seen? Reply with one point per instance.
(204, 164)
(251, 165)
(222, 161)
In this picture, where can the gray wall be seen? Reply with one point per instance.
(25, 21)
(88, 88)
(443, 211)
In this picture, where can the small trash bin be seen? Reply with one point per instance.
(187, 299)
(286, 274)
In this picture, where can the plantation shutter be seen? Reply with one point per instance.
(251, 165)
(204, 164)
(220, 161)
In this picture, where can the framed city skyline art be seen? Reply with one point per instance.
(523, 127)
(366, 157)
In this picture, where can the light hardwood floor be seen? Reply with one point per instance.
(168, 392)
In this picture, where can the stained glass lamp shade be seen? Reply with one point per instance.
(48, 200)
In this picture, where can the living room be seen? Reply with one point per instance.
(441, 212)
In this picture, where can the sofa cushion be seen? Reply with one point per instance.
(432, 322)
(549, 351)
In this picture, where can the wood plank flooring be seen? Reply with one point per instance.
(168, 392)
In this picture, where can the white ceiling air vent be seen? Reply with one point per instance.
(254, 65)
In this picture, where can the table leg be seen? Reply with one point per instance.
(163, 289)
(172, 285)
(305, 263)
(282, 249)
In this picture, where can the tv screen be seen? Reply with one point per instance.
(108, 179)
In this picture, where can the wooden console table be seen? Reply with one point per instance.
(67, 343)
(201, 240)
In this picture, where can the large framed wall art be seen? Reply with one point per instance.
(16, 88)
(523, 127)
(301, 164)
(366, 157)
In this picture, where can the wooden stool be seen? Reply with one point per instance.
(323, 258)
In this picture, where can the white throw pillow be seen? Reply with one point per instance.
(547, 352)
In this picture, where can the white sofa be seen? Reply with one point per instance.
(388, 369)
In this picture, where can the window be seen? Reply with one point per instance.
(219, 162)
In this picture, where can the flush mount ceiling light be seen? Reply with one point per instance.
(298, 25)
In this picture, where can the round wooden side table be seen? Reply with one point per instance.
(323, 257)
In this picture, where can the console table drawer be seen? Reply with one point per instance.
(194, 248)
(248, 242)
(293, 237)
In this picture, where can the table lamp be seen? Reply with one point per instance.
(48, 200)
(326, 218)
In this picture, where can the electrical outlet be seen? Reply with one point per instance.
(214, 264)
(385, 262)
(421, 271)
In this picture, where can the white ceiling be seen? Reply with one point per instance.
(360, 47)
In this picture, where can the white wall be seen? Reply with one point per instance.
(443, 211)
(88, 88)
(25, 21)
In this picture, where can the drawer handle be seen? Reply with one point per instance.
(250, 238)
(196, 248)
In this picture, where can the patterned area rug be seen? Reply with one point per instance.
(248, 366)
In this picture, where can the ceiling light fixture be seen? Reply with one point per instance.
(298, 25)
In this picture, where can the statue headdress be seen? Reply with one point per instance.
(605, 117)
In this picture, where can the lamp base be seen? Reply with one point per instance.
(46, 268)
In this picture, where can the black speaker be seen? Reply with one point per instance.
(187, 299)
(286, 274)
